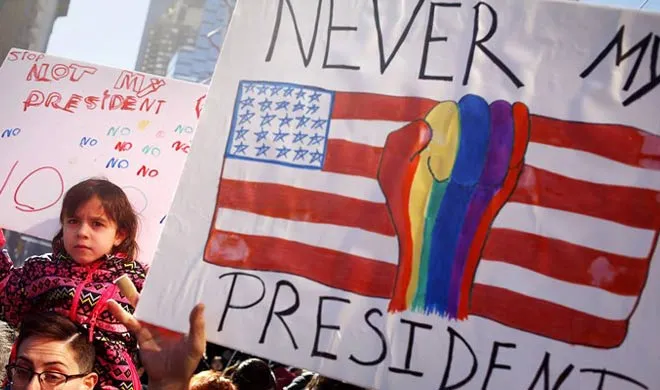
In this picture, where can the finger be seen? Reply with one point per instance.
(130, 322)
(197, 332)
(127, 288)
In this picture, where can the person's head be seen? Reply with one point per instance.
(253, 374)
(210, 380)
(217, 364)
(320, 382)
(52, 353)
(97, 219)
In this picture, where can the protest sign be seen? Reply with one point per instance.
(425, 195)
(64, 121)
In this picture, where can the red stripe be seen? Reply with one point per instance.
(286, 202)
(332, 268)
(370, 106)
(546, 319)
(621, 143)
(352, 158)
(630, 206)
(568, 262)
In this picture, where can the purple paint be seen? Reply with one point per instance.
(500, 147)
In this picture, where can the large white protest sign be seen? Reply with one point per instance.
(64, 121)
(426, 195)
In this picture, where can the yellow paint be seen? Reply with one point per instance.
(437, 158)
(143, 124)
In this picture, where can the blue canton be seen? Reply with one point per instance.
(281, 123)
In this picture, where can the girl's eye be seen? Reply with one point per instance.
(71, 221)
(98, 224)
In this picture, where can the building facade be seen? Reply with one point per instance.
(196, 62)
(21, 246)
(27, 24)
(170, 26)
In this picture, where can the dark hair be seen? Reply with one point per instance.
(52, 326)
(323, 383)
(253, 374)
(115, 204)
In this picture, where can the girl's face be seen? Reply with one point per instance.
(90, 234)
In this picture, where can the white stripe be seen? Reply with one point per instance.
(590, 167)
(368, 132)
(339, 238)
(347, 185)
(575, 228)
(587, 299)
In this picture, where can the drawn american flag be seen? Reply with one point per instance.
(567, 256)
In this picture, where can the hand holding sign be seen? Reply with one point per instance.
(169, 358)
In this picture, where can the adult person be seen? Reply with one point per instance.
(52, 352)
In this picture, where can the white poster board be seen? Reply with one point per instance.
(423, 195)
(64, 121)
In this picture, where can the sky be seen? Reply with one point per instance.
(108, 32)
(103, 32)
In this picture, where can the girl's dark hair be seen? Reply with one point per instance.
(116, 205)
(52, 326)
(253, 374)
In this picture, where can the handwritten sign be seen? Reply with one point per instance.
(424, 195)
(64, 121)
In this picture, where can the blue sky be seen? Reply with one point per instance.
(108, 32)
(103, 32)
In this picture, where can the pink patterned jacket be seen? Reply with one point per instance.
(54, 282)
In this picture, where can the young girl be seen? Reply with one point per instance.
(95, 246)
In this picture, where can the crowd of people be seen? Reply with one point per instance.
(66, 316)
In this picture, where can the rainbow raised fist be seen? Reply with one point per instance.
(463, 160)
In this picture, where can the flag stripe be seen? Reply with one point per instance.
(590, 167)
(564, 261)
(629, 206)
(345, 185)
(281, 201)
(625, 144)
(360, 105)
(331, 268)
(351, 158)
(590, 300)
(545, 318)
(585, 231)
(368, 132)
(352, 241)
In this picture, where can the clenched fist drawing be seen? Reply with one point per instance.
(445, 178)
